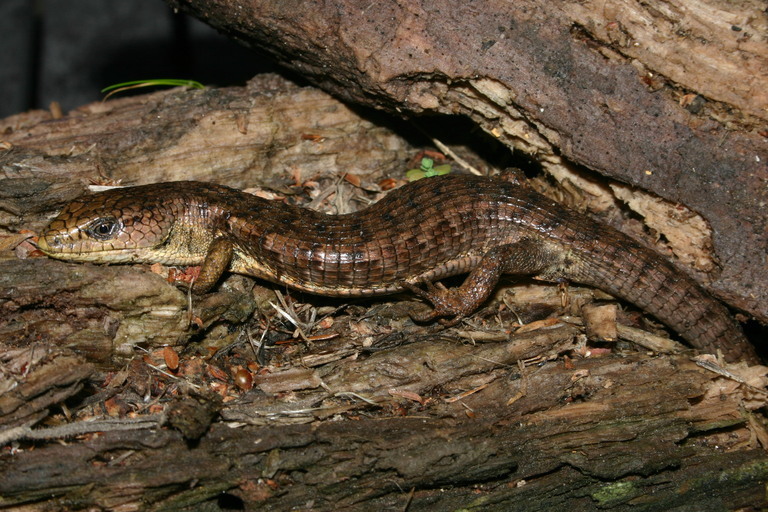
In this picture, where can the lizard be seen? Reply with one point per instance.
(425, 231)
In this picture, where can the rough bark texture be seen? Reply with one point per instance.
(602, 434)
(237, 136)
(668, 97)
(357, 408)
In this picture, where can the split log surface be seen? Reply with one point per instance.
(603, 434)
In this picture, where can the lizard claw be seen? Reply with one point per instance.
(445, 302)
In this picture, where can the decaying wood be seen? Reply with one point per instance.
(603, 433)
(88, 309)
(346, 406)
(666, 96)
(240, 136)
(34, 379)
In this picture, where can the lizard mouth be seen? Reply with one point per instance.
(43, 245)
(55, 246)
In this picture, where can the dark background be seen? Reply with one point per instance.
(68, 50)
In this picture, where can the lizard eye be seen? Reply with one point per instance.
(104, 228)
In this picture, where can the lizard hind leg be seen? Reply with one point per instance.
(524, 257)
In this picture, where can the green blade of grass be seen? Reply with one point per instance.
(170, 82)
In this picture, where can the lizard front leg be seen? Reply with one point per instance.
(216, 262)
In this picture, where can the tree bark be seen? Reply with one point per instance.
(599, 434)
(667, 97)
(353, 406)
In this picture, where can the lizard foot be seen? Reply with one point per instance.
(445, 303)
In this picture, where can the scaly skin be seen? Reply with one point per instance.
(427, 230)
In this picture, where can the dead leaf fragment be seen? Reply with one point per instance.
(171, 358)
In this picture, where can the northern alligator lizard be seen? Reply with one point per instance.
(425, 231)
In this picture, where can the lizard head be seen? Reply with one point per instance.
(115, 226)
